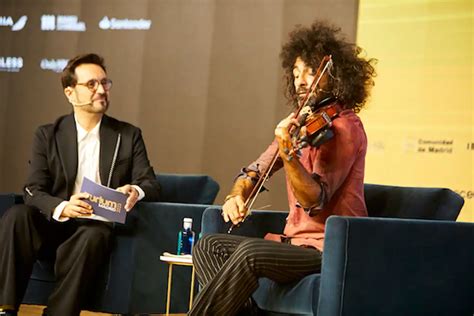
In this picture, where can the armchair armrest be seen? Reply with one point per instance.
(375, 266)
(7, 200)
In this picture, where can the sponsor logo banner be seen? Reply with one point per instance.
(69, 23)
(11, 63)
(55, 65)
(7, 21)
(124, 24)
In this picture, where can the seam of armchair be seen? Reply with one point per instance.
(333, 274)
(346, 245)
(180, 204)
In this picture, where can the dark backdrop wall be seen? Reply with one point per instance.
(204, 82)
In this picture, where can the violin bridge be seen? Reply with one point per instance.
(327, 118)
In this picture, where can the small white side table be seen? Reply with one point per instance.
(172, 260)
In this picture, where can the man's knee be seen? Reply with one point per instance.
(96, 235)
(18, 214)
(209, 246)
(247, 249)
(207, 243)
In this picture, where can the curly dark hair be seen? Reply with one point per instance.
(351, 75)
(68, 77)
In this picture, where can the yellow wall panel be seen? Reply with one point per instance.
(420, 117)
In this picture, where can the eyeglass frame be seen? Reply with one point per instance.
(104, 82)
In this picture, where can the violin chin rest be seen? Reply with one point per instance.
(322, 137)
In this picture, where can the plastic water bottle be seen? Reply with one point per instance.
(186, 237)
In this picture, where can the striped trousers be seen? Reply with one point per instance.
(228, 268)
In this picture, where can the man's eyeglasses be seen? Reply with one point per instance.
(93, 84)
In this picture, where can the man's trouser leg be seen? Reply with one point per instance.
(79, 260)
(228, 267)
(21, 236)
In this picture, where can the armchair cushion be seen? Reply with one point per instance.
(187, 188)
(256, 225)
(412, 202)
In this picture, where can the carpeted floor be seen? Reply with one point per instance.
(36, 310)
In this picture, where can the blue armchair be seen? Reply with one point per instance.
(135, 280)
(408, 257)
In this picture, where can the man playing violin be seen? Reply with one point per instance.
(322, 180)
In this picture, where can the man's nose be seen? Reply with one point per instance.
(301, 82)
(100, 88)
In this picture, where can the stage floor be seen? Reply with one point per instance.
(36, 310)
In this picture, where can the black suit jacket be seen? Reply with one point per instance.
(53, 164)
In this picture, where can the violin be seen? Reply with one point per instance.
(317, 125)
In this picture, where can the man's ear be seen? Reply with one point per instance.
(68, 91)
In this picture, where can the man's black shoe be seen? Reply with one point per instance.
(8, 313)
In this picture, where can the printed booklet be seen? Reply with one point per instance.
(105, 202)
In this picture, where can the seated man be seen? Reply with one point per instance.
(55, 218)
(323, 180)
